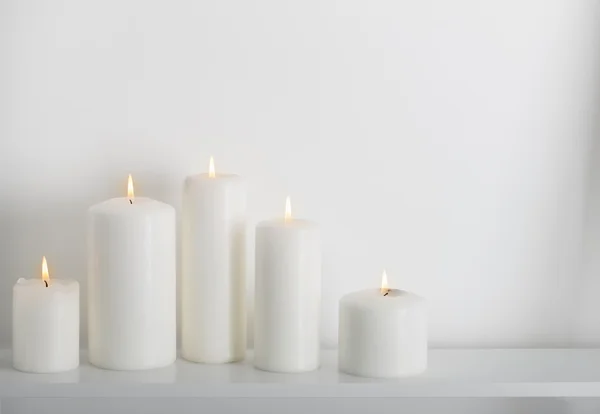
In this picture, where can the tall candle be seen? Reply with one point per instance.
(213, 317)
(287, 295)
(45, 324)
(132, 283)
(382, 333)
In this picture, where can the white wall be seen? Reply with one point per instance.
(448, 141)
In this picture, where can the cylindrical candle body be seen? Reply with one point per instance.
(382, 336)
(287, 296)
(132, 284)
(45, 325)
(213, 317)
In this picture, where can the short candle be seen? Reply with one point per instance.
(382, 333)
(45, 324)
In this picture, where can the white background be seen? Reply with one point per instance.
(455, 143)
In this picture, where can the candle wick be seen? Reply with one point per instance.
(130, 201)
(46, 282)
(386, 293)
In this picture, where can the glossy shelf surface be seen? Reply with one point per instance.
(451, 373)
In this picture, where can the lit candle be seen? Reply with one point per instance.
(382, 333)
(132, 283)
(45, 324)
(213, 317)
(287, 294)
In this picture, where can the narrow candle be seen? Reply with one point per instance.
(45, 324)
(382, 333)
(131, 283)
(287, 295)
(213, 317)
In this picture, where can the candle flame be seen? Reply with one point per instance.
(211, 168)
(384, 283)
(288, 209)
(130, 193)
(45, 274)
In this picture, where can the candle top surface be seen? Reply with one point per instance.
(217, 177)
(53, 284)
(374, 298)
(123, 205)
(218, 181)
(292, 223)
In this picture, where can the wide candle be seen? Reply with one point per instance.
(132, 283)
(382, 333)
(213, 317)
(287, 295)
(45, 324)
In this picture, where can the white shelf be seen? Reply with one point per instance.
(451, 373)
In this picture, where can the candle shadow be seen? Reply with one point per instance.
(585, 314)
(249, 274)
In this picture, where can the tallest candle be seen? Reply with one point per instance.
(132, 283)
(213, 317)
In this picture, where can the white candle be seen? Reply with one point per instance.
(132, 283)
(45, 324)
(382, 333)
(213, 317)
(288, 295)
